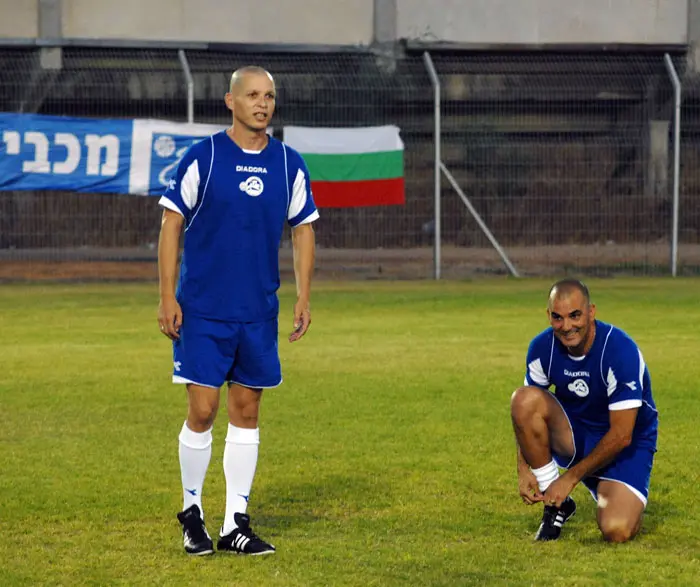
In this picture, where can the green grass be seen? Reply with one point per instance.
(387, 456)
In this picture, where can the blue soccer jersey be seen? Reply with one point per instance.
(235, 203)
(612, 376)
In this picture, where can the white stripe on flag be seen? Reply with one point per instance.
(343, 141)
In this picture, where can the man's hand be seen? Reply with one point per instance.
(559, 490)
(170, 317)
(302, 320)
(527, 485)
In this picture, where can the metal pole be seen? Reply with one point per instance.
(437, 262)
(190, 84)
(676, 160)
(479, 221)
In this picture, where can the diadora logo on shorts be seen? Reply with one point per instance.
(579, 387)
(253, 186)
(176, 365)
(249, 169)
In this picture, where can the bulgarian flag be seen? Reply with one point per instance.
(351, 166)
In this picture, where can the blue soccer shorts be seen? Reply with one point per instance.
(631, 467)
(211, 353)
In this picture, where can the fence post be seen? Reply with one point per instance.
(676, 160)
(190, 84)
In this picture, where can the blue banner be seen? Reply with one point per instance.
(89, 155)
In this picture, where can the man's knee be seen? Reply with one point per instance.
(244, 405)
(201, 412)
(618, 530)
(525, 401)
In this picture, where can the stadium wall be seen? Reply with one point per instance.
(356, 22)
(544, 22)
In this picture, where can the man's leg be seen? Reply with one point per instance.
(195, 454)
(241, 450)
(541, 426)
(195, 442)
(620, 511)
(240, 462)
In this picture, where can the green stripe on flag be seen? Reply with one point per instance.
(355, 167)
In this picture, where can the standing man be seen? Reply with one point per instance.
(232, 193)
(600, 423)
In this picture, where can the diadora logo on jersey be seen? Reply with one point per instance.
(171, 184)
(579, 387)
(177, 365)
(632, 385)
(247, 169)
(253, 186)
(576, 373)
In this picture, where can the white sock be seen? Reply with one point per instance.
(195, 454)
(240, 461)
(546, 475)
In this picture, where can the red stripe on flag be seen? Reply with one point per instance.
(350, 194)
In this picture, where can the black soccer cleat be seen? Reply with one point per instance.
(242, 540)
(195, 536)
(554, 518)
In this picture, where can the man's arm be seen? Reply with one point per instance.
(169, 312)
(617, 438)
(304, 248)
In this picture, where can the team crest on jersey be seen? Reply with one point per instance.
(579, 387)
(253, 186)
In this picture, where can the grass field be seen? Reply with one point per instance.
(387, 456)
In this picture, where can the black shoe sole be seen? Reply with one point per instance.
(238, 552)
(200, 553)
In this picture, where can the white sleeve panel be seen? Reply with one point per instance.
(299, 195)
(626, 405)
(536, 373)
(611, 382)
(310, 218)
(189, 186)
(169, 204)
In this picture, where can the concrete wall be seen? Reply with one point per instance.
(19, 18)
(350, 22)
(544, 21)
(234, 21)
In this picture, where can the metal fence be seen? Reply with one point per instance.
(566, 157)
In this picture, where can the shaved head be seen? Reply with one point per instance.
(566, 287)
(572, 315)
(239, 74)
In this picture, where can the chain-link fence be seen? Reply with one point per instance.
(689, 209)
(566, 157)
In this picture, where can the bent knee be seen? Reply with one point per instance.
(526, 400)
(618, 531)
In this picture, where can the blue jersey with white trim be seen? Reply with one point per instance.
(612, 376)
(235, 204)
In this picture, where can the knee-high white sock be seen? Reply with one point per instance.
(546, 475)
(195, 454)
(240, 461)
